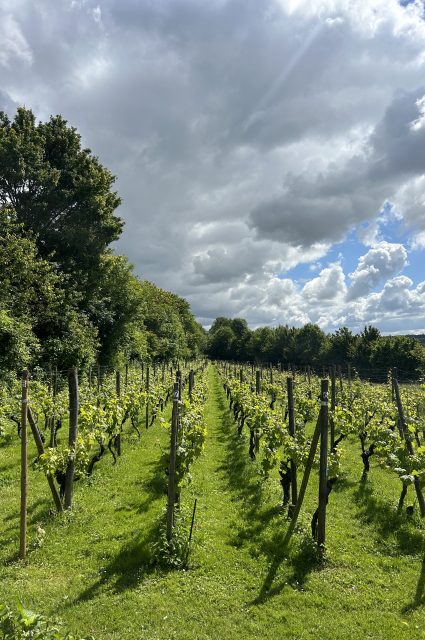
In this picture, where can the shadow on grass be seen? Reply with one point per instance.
(135, 560)
(261, 526)
(419, 598)
(300, 563)
(128, 568)
(389, 525)
(156, 486)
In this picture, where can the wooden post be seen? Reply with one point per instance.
(24, 467)
(323, 470)
(271, 374)
(118, 392)
(333, 403)
(147, 397)
(394, 377)
(172, 466)
(291, 425)
(409, 446)
(257, 382)
(53, 418)
(341, 386)
(98, 378)
(73, 430)
(191, 382)
(304, 483)
(40, 450)
(309, 380)
(241, 375)
(179, 381)
(126, 375)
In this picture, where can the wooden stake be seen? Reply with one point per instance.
(409, 446)
(40, 450)
(172, 466)
(73, 430)
(333, 403)
(118, 392)
(304, 483)
(191, 383)
(24, 467)
(291, 426)
(323, 470)
(147, 397)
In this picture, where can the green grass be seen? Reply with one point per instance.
(94, 571)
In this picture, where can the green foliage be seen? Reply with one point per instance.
(18, 344)
(21, 623)
(66, 299)
(59, 191)
(171, 554)
(309, 345)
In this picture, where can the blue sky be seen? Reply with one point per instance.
(257, 145)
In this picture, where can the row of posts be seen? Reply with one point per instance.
(27, 417)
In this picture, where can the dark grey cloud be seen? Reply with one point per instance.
(326, 206)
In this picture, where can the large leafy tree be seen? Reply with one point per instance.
(39, 318)
(59, 190)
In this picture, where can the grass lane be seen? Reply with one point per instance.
(93, 569)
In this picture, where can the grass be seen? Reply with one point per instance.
(94, 567)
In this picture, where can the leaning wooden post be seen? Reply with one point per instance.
(24, 467)
(147, 397)
(73, 430)
(304, 483)
(333, 403)
(118, 393)
(172, 466)
(40, 451)
(405, 433)
(291, 426)
(323, 470)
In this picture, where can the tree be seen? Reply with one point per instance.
(367, 340)
(310, 345)
(220, 343)
(342, 346)
(261, 344)
(403, 352)
(41, 322)
(58, 190)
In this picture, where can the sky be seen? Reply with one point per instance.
(270, 154)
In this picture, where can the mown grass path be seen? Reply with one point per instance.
(93, 569)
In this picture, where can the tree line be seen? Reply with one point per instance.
(66, 298)
(232, 339)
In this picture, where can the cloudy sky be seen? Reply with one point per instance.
(270, 153)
